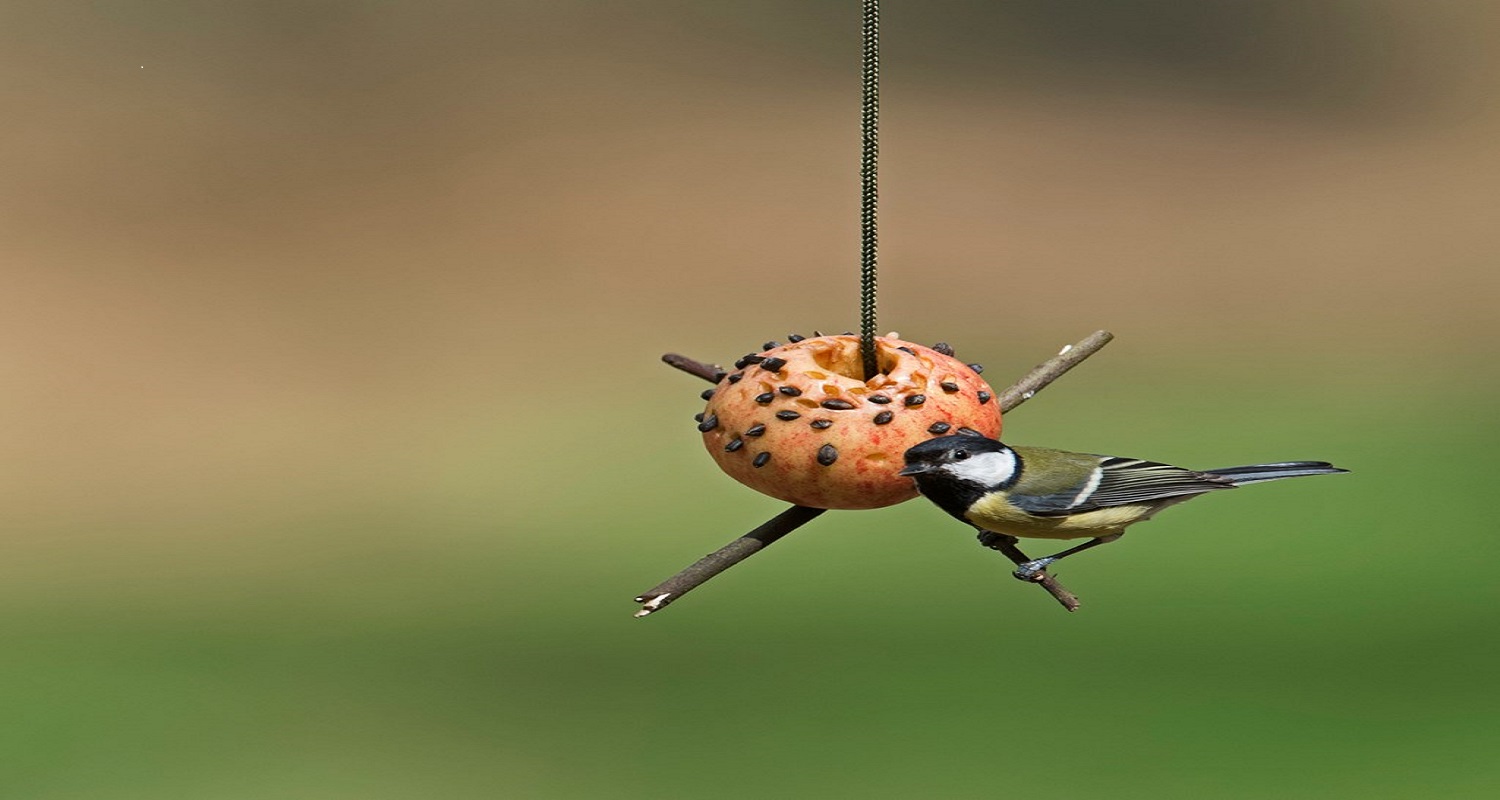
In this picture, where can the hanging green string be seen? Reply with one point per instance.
(869, 154)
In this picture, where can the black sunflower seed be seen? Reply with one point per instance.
(734, 444)
(794, 338)
(944, 348)
(787, 415)
(837, 405)
(708, 394)
(790, 391)
(883, 417)
(984, 397)
(915, 399)
(977, 367)
(822, 424)
(827, 454)
(771, 345)
(760, 459)
(735, 377)
(755, 430)
(879, 399)
(939, 428)
(709, 423)
(773, 364)
(764, 398)
(949, 386)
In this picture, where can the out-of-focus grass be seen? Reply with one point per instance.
(1323, 638)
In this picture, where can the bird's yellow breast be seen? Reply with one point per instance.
(993, 512)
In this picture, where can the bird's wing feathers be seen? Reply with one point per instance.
(1119, 482)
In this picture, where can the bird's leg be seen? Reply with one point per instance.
(1031, 570)
(1007, 546)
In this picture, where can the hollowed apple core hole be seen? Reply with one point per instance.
(842, 357)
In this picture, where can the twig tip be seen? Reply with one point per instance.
(650, 603)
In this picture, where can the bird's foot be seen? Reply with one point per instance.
(1031, 571)
(995, 541)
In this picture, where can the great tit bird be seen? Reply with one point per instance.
(1053, 494)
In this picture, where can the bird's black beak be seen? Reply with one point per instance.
(915, 469)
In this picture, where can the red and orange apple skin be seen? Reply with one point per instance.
(799, 423)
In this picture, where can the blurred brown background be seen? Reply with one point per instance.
(315, 311)
(233, 230)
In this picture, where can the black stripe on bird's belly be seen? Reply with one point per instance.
(954, 497)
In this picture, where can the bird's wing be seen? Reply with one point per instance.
(1120, 482)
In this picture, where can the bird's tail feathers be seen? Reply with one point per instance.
(1255, 473)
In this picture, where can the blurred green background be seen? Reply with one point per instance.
(336, 445)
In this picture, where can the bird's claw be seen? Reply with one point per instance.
(994, 540)
(1031, 571)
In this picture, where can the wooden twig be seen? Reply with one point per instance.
(797, 516)
(1050, 370)
(725, 557)
(1007, 545)
(707, 372)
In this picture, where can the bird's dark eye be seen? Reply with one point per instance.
(960, 455)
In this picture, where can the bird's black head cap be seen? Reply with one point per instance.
(933, 453)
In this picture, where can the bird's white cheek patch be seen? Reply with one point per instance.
(985, 469)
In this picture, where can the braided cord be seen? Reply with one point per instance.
(869, 194)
